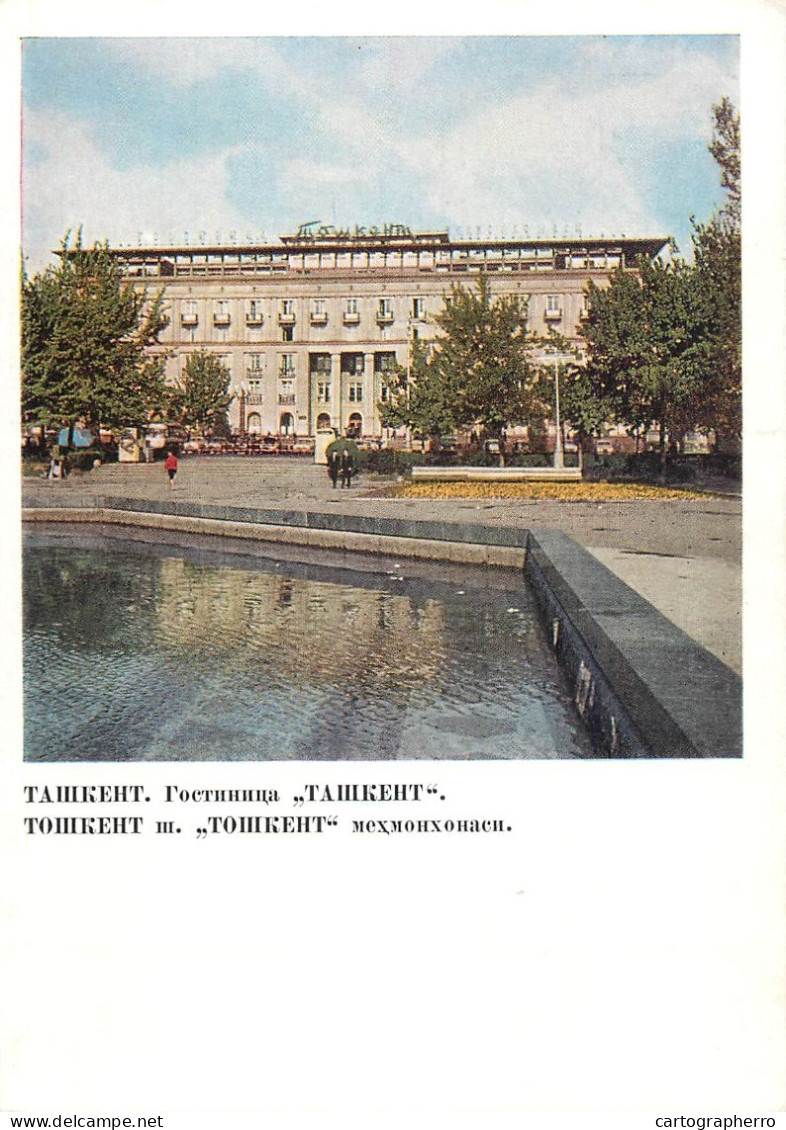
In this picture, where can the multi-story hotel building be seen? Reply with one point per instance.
(308, 326)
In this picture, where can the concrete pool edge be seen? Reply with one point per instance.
(673, 697)
(643, 687)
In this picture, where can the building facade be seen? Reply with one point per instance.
(308, 326)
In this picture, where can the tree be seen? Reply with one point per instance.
(717, 253)
(476, 373)
(419, 396)
(645, 354)
(85, 338)
(725, 148)
(201, 397)
(664, 345)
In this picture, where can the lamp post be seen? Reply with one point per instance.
(559, 457)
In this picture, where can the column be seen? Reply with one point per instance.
(369, 395)
(335, 391)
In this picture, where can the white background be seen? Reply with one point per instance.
(620, 950)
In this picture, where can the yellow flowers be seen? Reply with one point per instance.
(558, 492)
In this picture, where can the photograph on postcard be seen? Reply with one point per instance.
(381, 398)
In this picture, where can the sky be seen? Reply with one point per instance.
(143, 140)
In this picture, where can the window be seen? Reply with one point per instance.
(287, 364)
(351, 313)
(254, 313)
(286, 390)
(286, 314)
(384, 362)
(355, 391)
(352, 364)
(189, 316)
(318, 311)
(385, 310)
(255, 363)
(419, 308)
(323, 392)
(287, 333)
(221, 312)
(553, 306)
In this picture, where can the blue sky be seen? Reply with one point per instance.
(136, 138)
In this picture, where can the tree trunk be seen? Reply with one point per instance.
(662, 448)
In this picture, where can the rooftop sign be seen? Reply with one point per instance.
(315, 229)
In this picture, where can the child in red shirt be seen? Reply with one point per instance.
(171, 468)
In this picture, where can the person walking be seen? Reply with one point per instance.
(347, 467)
(334, 465)
(171, 468)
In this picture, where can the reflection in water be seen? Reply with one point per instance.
(132, 655)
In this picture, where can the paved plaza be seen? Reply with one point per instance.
(683, 556)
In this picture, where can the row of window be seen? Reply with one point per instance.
(352, 373)
(318, 315)
(385, 314)
(254, 392)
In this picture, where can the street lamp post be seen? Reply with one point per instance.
(559, 458)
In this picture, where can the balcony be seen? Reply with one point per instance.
(351, 318)
(255, 398)
(286, 318)
(286, 398)
(318, 318)
(221, 319)
(254, 319)
(553, 315)
(385, 317)
(189, 319)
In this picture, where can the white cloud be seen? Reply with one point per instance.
(302, 170)
(401, 63)
(554, 154)
(184, 62)
(70, 183)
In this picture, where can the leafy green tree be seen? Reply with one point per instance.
(201, 397)
(483, 355)
(646, 355)
(39, 309)
(717, 253)
(86, 333)
(665, 345)
(419, 396)
(476, 373)
(725, 148)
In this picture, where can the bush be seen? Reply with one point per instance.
(386, 461)
(83, 458)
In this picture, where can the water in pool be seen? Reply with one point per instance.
(142, 652)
